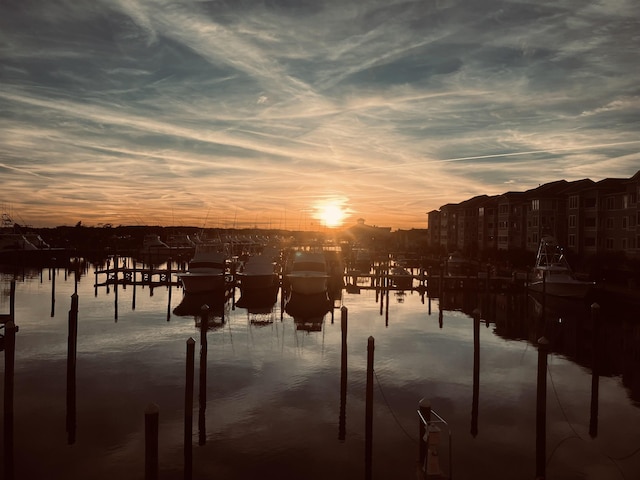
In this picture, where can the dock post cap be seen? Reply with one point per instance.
(542, 341)
(595, 306)
(477, 312)
(151, 409)
(424, 403)
(191, 341)
(204, 307)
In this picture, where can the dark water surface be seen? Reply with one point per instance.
(273, 388)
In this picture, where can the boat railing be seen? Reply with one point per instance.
(431, 434)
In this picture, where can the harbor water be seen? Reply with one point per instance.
(273, 405)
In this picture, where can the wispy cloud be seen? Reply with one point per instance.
(119, 112)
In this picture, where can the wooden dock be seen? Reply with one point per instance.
(153, 277)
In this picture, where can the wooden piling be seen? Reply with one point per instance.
(424, 407)
(151, 418)
(541, 408)
(368, 449)
(9, 367)
(188, 410)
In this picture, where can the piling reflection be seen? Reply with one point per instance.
(476, 372)
(342, 416)
(71, 370)
(202, 396)
(192, 303)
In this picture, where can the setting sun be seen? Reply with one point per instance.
(330, 213)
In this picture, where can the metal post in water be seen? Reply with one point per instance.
(368, 449)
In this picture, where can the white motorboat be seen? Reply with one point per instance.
(155, 250)
(25, 246)
(206, 270)
(553, 275)
(308, 274)
(259, 271)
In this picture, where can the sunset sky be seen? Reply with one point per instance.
(263, 113)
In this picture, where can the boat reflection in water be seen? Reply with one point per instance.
(308, 311)
(192, 305)
(258, 301)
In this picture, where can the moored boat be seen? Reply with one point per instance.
(27, 247)
(552, 274)
(308, 274)
(155, 250)
(206, 272)
(259, 272)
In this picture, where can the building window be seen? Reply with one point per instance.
(611, 203)
(572, 221)
(535, 238)
(624, 244)
(624, 223)
(535, 204)
(572, 240)
(590, 222)
(610, 223)
(503, 209)
(590, 242)
(535, 221)
(573, 201)
(481, 211)
(633, 198)
(625, 201)
(609, 244)
(590, 202)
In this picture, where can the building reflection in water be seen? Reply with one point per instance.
(610, 347)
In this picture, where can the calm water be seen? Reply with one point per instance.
(273, 390)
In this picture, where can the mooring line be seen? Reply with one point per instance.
(391, 410)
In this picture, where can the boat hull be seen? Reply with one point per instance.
(576, 289)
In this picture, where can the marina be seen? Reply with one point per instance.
(291, 395)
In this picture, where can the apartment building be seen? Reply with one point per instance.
(586, 217)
